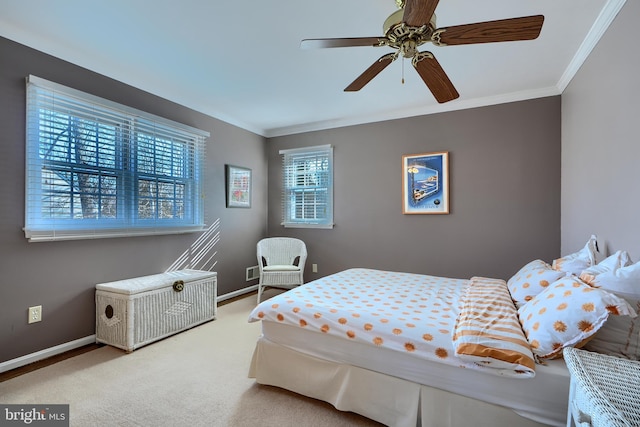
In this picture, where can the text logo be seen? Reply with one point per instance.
(34, 415)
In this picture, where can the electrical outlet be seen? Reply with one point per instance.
(35, 314)
(314, 268)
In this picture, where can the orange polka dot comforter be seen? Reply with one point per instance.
(405, 312)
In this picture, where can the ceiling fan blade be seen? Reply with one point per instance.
(434, 77)
(418, 12)
(503, 30)
(341, 42)
(371, 72)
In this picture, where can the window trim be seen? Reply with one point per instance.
(328, 222)
(126, 224)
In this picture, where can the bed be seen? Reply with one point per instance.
(390, 384)
(392, 346)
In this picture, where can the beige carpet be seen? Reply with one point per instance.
(195, 378)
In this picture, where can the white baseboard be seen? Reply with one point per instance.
(59, 349)
(47, 352)
(237, 293)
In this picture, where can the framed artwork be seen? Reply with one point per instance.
(238, 191)
(425, 183)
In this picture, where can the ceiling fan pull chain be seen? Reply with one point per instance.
(403, 70)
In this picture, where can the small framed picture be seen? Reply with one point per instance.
(238, 191)
(425, 183)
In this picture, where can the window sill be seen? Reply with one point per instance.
(51, 235)
(323, 226)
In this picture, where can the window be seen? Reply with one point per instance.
(307, 197)
(95, 168)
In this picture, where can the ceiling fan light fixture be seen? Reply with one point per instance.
(412, 25)
(409, 48)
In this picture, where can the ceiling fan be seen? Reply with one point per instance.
(413, 24)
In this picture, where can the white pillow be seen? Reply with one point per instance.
(567, 313)
(576, 262)
(609, 264)
(530, 280)
(619, 336)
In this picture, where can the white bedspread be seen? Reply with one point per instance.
(410, 313)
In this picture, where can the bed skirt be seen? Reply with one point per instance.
(389, 400)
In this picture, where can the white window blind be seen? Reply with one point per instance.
(95, 168)
(307, 199)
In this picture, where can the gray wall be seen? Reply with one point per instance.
(601, 143)
(505, 202)
(60, 276)
(504, 193)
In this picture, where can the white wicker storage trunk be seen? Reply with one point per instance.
(134, 312)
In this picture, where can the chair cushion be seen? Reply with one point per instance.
(281, 268)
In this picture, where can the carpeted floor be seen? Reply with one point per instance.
(195, 378)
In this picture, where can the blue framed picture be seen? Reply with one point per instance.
(425, 183)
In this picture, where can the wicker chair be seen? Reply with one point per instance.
(281, 261)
